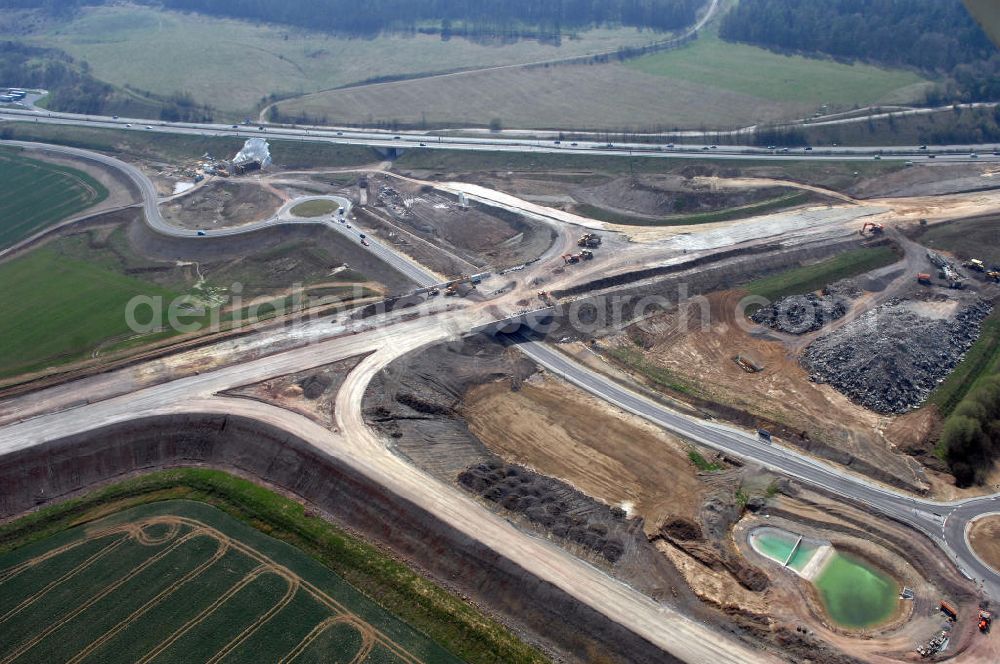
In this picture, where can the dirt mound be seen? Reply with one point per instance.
(558, 507)
(658, 196)
(682, 529)
(891, 358)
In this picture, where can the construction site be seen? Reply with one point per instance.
(774, 305)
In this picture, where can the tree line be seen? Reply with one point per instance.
(504, 18)
(934, 36)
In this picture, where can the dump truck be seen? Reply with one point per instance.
(948, 610)
(569, 259)
(985, 620)
(975, 264)
(589, 240)
(924, 279)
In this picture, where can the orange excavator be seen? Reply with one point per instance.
(876, 229)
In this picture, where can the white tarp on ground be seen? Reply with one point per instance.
(255, 149)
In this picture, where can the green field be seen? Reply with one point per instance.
(741, 212)
(232, 64)
(169, 564)
(708, 83)
(809, 278)
(36, 194)
(66, 300)
(318, 208)
(758, 72)
(58, 309)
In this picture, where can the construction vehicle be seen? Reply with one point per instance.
(985, 620)
(993, 276)
(876, 229)
(546, 298)
(434, 292)
(589, 240)
(948, 610)
(451, 290)
(924, 279)
(570, 259)
(975, 264)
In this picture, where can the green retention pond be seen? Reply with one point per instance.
(778, 544)
(855, 594)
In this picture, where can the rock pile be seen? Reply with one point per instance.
(890, 359)
(799, 314)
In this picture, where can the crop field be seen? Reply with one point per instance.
(182, 581)
(761, 73)
(35, 194)
(130, 44)
(710, 83)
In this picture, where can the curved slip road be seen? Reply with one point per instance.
(944, 522)
(150, 205)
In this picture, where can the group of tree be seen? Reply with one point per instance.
(505, 18)
(934, 36)
(71, 86)
(971, 435)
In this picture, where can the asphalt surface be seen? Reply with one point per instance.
(417, 140)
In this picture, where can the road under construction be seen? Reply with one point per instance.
(42, 421)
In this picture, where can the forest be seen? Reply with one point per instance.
(935, 36)
(500, 18)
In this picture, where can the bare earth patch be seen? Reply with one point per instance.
(984, 535)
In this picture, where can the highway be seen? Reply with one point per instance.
(418, 140)
(357, 444)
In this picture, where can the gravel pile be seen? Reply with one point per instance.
(890, 359)
(799, 314)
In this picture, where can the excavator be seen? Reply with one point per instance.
(876, 229)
